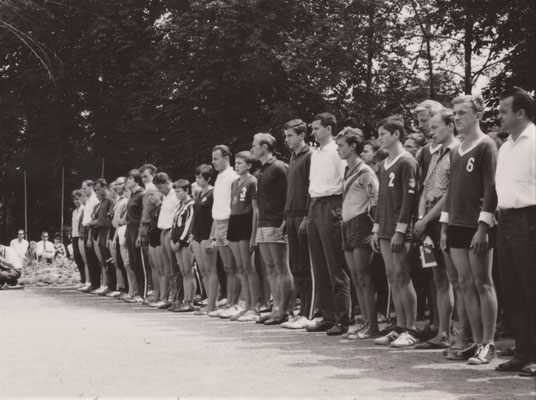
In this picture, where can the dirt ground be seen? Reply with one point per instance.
(59, 343)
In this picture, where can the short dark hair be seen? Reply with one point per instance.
(135, 174)
(266, 139)
(206, 171)
(246, 156)
(353, 136)
(76, 194)
(521, 100)
(88, 182)
(327, 119)
(372, 143)
(225, 150)
(101, 182)
(44, 232)
(419, 139)
(57, 235)
(20, 230)
(394, 123)
(161, 178)
(297, 125)
(150, 167)
(183, 184)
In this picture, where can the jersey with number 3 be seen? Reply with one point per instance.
(397, 195)
(472, 183)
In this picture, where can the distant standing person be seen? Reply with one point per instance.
(75, 235)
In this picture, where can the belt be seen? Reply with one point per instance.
(325, 198)
(512, 211)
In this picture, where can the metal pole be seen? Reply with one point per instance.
(62, 199)
(102, 169)
(25, 208)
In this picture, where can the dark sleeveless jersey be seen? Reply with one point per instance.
(397, 197)
(472, 184)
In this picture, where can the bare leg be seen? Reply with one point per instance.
(481, 270)
(362, 259)
(462, 339)
(470, 297)
(283, 276)
(251, 275)
(235, 248)
(271, 275)
(233, 281)
(211, 284)
(393, 278)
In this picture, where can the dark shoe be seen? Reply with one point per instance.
(276, 320)
(265, 308)
(186, 307)
(427, 333)
(432, 346)
(509, 352)
(514, 365)
(529, 370)
(337, 330)
(388, 329)
(322, 326)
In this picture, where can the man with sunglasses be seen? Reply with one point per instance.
(45, 249)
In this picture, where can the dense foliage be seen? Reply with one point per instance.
(108, 85)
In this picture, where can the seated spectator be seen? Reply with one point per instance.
(59, 247)
(45, 249)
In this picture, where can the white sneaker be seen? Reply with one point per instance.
(300, 322)
(249, 316)
(404, 340)
(292, 318)
(387, 339)
(215, 313)
(231, 312)
(138, 299)
(484, 354)
(222, 302)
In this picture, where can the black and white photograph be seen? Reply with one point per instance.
(268, 199)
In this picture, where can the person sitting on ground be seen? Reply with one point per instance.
(10, 267)
(45, 249)
(59, 247)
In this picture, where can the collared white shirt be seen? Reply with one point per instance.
(170, 203)
(221, 208)
(89, 207)
(327, 171)
(20, 247)
(76, 221)
(45, 247)
(515, 177)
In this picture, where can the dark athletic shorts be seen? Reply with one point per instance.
(357, 232)
(460, 237)
(239, 227)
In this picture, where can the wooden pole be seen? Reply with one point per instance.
(25, 208)
(62, 199)
(102, 169)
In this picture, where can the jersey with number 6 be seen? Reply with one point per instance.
(472, 183)
(397, 195)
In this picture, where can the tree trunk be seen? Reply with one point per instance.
(468, 47)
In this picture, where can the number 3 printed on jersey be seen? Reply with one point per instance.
(470, 164)
(391, 179)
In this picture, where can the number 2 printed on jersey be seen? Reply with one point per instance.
(391, 179)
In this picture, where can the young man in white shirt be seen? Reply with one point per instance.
(221, 211)
(515, 181)
(20, 245)
(331, 274)
(45, 249)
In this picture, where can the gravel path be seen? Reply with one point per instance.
(61, 343)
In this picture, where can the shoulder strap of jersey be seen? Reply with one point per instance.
(357, 174)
